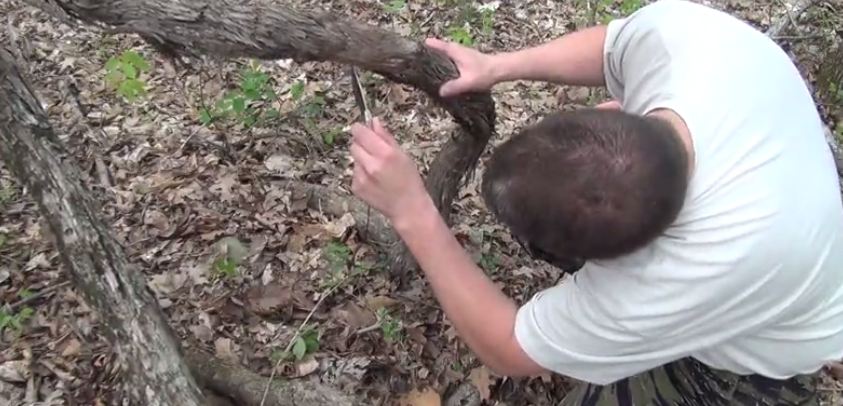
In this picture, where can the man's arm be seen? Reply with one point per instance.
(573, 59)
(483, 316)
(387, 178)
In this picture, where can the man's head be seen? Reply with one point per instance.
(588, 184)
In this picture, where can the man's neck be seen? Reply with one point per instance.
(678, 124)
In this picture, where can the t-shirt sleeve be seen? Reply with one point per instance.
(640, 61)
(597, 332)
(615, 319)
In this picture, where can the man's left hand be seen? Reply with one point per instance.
(385, 177)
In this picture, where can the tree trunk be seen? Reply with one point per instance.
(95, 261)
(269, 30)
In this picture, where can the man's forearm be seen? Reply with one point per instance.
(573, 59)
(483, 316)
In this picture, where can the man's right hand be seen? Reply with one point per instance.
(477, 70)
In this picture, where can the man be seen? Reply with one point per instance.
(705, 214)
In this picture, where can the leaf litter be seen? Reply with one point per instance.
(236, 260)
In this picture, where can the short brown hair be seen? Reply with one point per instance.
(588, 184)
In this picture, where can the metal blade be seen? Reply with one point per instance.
(360, 96)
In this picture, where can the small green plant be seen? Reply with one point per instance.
(391, 327)
(247, 103)
(25, 293)
(489, 262)
(338, 256)
(307, 342)
(123, 73)
(395, 6)
(628, 7)
(3, 240)
(461, 35)
(7, 193)
(225, 267)
(15, 321)
(330, 136)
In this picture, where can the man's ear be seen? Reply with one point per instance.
(609, 105)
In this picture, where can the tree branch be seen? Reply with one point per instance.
(268, 30)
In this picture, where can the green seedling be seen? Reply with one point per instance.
(395, 6)
(123, 73)
(391, 327)
(248, 103)
(15, 321)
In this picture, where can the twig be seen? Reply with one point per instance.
(373, 327)
(44, 292)
(295, 336)
(792, 15)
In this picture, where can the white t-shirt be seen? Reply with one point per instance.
(749, 279)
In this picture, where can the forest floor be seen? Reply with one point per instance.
(238, 262)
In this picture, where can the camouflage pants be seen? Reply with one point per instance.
(688, 382)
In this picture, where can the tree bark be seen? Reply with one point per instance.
(247, 387)
(268, 30)
(94, 259)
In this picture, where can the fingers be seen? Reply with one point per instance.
(381, 131)
(372, 142)
(439, 45)
(453, 88)
(362, 159)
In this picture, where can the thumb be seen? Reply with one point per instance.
(453, 87)
(438, 44)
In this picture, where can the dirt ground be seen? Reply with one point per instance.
(237, 262)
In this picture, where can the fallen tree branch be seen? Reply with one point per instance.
(95, 261)
(269, 30)
(246, 387)
(337, 203)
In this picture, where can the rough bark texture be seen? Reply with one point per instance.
(95, 261)
(269, 30)
(247, 387)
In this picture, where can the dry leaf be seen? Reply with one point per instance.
(836, 370)
(14, 371)
(356, 317)
(167, 283)
(338, 228)
(427, 397)
(72, 348)
(279, 164)
(481, 380)
(202, 332)
(376, 302)
(268, 299)
(306, 367)
(38, 261)
(223, 349)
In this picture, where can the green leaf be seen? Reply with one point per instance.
(131, 89)
(249, 120)
(238, 104)
(3, 240)
(395, 6)
(299, 348)
(251, 94)
(130, 71)
(273, 113)
(297, 90)
(25, 293)
(114, 78)
(136, 60)
(461, 35)
(205, 116)
(112, 65)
